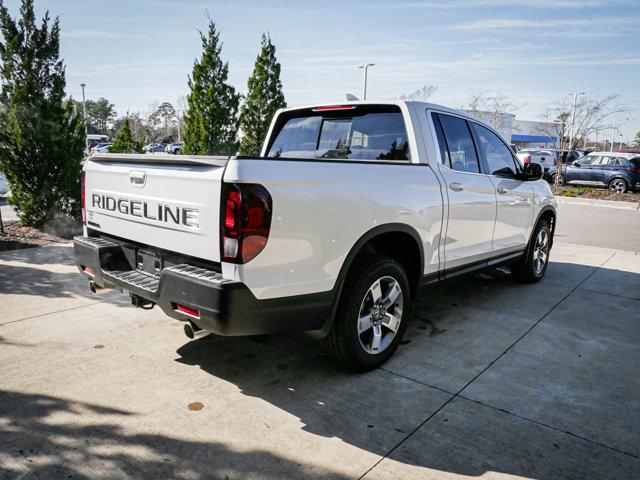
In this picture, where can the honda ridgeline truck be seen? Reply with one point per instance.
(347, 214)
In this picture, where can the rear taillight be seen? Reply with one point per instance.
(83, 198)
(245, 221)
(635, 169)
(527, 159)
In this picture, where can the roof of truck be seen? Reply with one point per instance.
(425, 105)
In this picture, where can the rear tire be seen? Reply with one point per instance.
(532, 266)
(618, 185)
(372, 314)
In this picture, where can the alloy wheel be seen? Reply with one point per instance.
(541, 251)
(380, 315)
(618, 185)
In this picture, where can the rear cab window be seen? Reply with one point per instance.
(351, 132)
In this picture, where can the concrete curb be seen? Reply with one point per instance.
(622, 205)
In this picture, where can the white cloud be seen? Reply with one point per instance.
(523, 23)
(79, 33)
(453, 4)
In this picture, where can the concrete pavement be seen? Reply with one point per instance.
(494, 379)
(7, 212)
(599, 226)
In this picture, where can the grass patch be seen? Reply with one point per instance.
(596, 193)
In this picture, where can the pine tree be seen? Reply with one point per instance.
(41, 136)
(124, 141)
(264, 98)
(212, 106)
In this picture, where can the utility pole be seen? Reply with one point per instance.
(613, 134)
(365, 67)
(178, 113)
(84, 114)
(573, 117)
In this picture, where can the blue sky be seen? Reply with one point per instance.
(535, 51)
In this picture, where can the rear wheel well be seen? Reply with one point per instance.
(400, 246)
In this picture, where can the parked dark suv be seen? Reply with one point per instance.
(617, 171)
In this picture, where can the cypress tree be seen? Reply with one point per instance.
(212, 105)
(41, 137)
(264, 98)
(124, 141)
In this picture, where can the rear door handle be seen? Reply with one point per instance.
(501, 189)
(456, 186)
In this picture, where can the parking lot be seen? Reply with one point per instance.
(494, 379)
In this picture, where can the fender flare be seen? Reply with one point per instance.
(353, 253)
(546, 208)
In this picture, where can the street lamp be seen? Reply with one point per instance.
(613, 132)
(573, 117)
(365, 67)
(84, 116)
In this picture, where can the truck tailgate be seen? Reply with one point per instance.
(165, 201)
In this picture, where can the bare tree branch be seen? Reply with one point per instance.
(421, 94)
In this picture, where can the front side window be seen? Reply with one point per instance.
(588, 160)
(351, 135)
(498, 156)
(462, 151)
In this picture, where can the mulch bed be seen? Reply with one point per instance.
(596, 193)
(16, 236)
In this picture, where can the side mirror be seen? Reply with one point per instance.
(532, 171)
(575, 164)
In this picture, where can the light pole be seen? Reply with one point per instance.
(365, 67)
(84, 115)
(178, 114)
(573, 117)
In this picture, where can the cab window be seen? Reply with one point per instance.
(498, 155)
(358, 133)
(460, 146)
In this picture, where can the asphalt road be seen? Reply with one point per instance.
(599, 226)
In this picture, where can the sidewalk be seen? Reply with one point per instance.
(600, 203)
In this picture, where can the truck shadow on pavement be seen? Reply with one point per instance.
(454, 336)
(32, 445)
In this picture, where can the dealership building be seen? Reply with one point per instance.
(529, 133)
(522, 133)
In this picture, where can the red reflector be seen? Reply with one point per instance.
(189, 311)
(333, 107)
(90, 271)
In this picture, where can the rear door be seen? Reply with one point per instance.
(163, 201)
(514, 215)
(471, 194)
(609, 167)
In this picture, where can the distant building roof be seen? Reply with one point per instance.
(533, 138)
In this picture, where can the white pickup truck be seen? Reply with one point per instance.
(348, 213)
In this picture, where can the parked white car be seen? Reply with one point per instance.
(4, 187)
(101, 148)
(545, 157)
(349, 211)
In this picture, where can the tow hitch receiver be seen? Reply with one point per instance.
(138, 301)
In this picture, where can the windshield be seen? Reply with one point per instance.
(361, 133)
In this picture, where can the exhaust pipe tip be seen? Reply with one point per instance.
(193, 332)
(97, 289)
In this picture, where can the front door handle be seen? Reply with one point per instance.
(501, 189)
(456, 186)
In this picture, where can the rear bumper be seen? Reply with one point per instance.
(225, 307)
